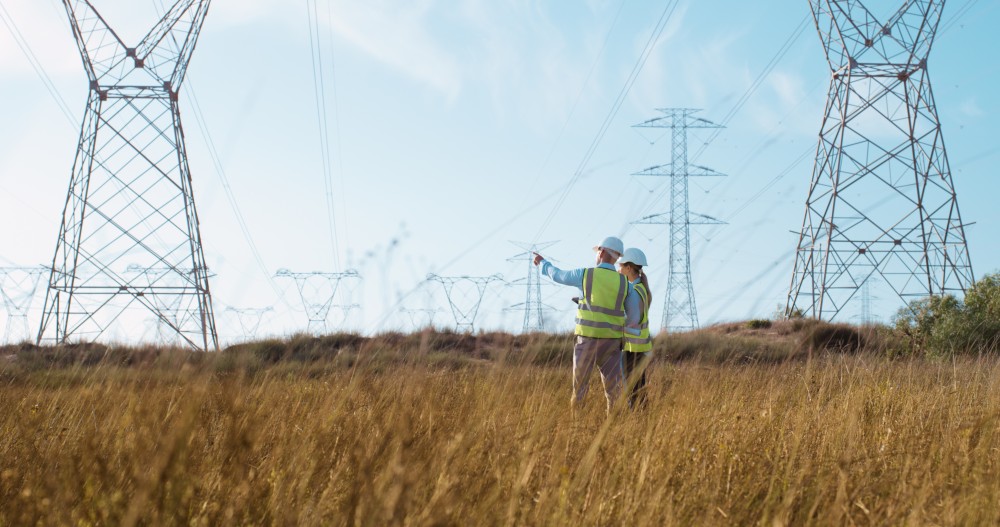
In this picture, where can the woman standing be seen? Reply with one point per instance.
(636, 348)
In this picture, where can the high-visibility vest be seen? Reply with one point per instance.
(601, 312)
(642, 342)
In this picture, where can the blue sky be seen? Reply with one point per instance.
(451, 122)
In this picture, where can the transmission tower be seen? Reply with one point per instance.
(532, 306)
(881, 199)
(171, 310)
(421, 318)
(17, 290)
(680, 312)
(317, 291)
(130, 195)
(465, 294)
(249, 319)
(346, 311)
(866, 303)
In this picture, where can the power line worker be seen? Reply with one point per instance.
(636, 349)
(607, 305)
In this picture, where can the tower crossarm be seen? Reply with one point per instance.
(667, 170)
(664, 218)
(677, 117)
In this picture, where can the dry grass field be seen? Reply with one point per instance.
(164, 438)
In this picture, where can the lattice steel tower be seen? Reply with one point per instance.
(317, 291)
(881, 200)
(680, 313)
(465, 295)
(532, 306)
(130, 197)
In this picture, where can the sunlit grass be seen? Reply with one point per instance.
(177, 439)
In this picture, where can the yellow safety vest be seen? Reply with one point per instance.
(601, 312)
(642, 342)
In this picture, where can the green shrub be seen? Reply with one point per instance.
(945, 325)
(758, 323)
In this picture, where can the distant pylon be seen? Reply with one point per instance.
(17, 290)
(680, 312)
(130, 195)
(420, 318)
(881, 199)
(463, 309)
(534, 319)
(866, 303)
(170, 311)
(317, 291)
(249, 319)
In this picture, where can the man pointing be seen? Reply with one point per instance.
(608, 304)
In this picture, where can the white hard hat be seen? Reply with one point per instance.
(611, 243)
(634, 256)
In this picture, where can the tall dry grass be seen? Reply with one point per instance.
(832, 440)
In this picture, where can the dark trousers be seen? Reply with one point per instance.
(634, 368)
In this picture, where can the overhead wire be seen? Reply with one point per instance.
(791, 167)
(962, 11)
(22, 44)
(319, 90)
(755, 85)
(576, 102)
(741, 102)
(654, 38)
(220, 171)
(344, 216)
(581, 171)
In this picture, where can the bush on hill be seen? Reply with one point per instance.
(945, 325)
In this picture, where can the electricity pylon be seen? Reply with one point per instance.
(317, 291)
(881, 200)
(459, 290)
(532, 306)
(170, 311)
(17, 290)
(680, 312)
(249, 319)
(130, 195)
(421, 318)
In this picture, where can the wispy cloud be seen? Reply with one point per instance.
(970, 108)
(398, 35)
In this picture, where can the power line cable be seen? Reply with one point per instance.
(319, 90)
(665, 17)
(344, 217)
(220, 171)
(36, 65)
(576, 102)
(751, 90)
(962, 11)
(756, 84)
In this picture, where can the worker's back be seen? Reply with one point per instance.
(601, 311)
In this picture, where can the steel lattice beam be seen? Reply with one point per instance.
(130, 196)
(317, 291)
(464, 313)
(533, 307)
(680, 312)
(881, 202)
